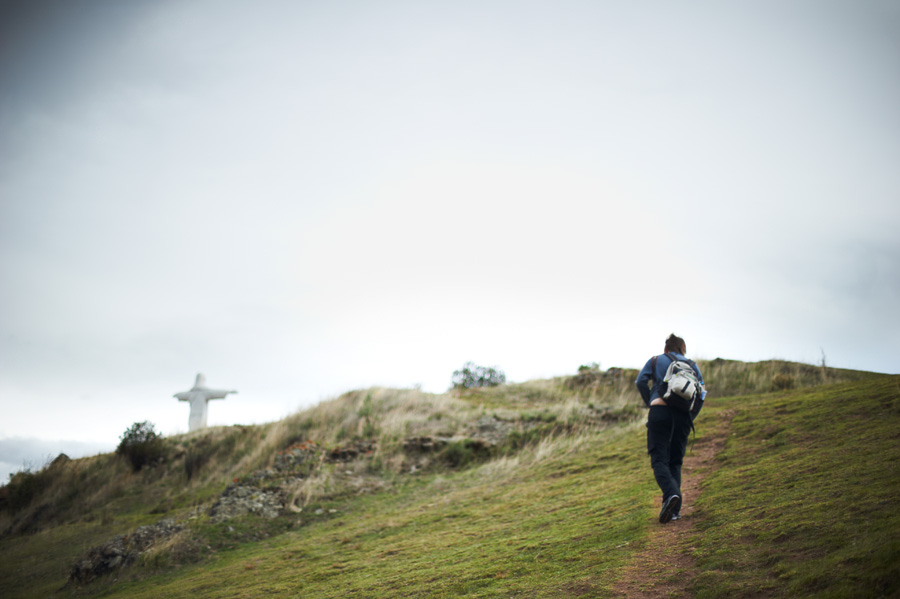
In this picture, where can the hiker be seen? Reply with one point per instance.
(671, 417)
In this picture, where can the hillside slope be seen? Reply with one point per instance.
(536, 490)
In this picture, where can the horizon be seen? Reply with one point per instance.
(31, 453)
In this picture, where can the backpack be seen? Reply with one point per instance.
(683, 386)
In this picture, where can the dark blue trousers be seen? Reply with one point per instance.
(668, 430)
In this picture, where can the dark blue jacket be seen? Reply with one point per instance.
(649, 381)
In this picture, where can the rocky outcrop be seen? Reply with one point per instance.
(492, 430)
(263, 493)
(304, 457)
(347, 453)
(240, 500)
(121, 551)
(424, 444)
(299, 456)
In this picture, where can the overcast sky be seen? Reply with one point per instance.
(302, 198)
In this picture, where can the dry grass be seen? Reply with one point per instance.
(305, 491)
(500, 469)
(727, 378)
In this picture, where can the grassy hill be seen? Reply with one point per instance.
(538, 489)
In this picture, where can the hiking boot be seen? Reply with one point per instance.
(671, 507)
(676, 517)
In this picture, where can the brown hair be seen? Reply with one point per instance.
(676, 344)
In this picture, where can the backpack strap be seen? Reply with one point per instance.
(686, 359)
(693, 430)
(653, 363)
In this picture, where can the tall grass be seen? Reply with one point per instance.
(726, 378)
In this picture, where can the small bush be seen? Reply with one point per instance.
(782, 382)
(458, 454)
(142, 446)
(471, 376)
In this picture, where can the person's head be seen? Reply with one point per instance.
(675, 344)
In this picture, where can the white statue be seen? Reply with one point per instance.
(198, 396)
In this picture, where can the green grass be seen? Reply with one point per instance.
(806, 497)
(36, 565)
(554, 522)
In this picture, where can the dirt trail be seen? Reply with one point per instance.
(665, 567)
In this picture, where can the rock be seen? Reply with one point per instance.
(242, 500)
(297, 456)
(350, 452)
(491, 430)
(121, 550)
(424, 444)
(304, 457)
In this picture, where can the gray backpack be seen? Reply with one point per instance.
(683, 388)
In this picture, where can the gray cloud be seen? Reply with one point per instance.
(299, 199)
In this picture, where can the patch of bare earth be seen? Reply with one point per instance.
(665, 567)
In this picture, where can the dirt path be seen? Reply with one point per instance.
(665, 567)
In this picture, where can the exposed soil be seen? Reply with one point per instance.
(665, 567)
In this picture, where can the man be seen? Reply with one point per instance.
(668, 427)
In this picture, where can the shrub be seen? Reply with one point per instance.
(471, 375)
(458, 454)
(141, 445)
(782, 382)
